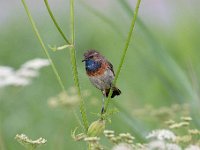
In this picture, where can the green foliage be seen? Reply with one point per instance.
(160, 70)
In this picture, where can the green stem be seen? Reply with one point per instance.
(72, 21)
(72, 56)
(74, 67)
(42, 44)
(124, 50)
(55, 22)
(2, 145)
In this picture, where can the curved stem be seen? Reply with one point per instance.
(72, 56)
(42, 44)
(55, 22)
(124, 50)
(74, 68)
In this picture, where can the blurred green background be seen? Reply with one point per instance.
(161, 66)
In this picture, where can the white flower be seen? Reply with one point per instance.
(22, 76)
(29, 143)
(122, 146)
(26, 72)
(3, 83)
(16, 81)
(162, 145)
(156, 145)
(192, 147)
(36, 63)
(25, 139)
(5, 71)
(171, 146)
(162, 134)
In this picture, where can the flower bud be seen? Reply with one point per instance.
(96, 128)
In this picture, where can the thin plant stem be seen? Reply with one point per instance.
(124, 50)
(2, 145)
(72, 21)
(55, 22)
(74, 68)
(167, 60)
(72, 56)
(43, 45)
(170, 63)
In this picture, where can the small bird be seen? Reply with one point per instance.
(101, 74)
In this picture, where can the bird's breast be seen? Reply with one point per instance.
(98, 70)
(102, 80)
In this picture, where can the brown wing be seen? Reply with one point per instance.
(111, 67)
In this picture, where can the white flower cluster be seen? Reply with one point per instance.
(192, 147)
(162, 145)
(162, 139)
(25, 139)
(122, 146)
(29, 143)
(162, 134)
(22, 76)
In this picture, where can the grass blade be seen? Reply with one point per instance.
(74, 67)
(124, 50)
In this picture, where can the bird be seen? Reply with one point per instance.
(101, 74)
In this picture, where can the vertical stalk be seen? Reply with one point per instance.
(72, 55)
(74, 67)
(72, 21)
(124, 50)
(2, 145)
(43, 45)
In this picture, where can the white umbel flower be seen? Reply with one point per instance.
(25, 139)
(36, 63)
(25, 72)
(22, 76)
(171, 146)
(162, 145)
(161, 134)
(9, 77)
(29, 143)
(17, 81)
(192, 147)
(122, 146)
(5, 71)
(156, 145)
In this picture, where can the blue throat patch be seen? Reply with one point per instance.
(92, 65)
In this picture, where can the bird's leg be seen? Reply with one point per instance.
(103, 100)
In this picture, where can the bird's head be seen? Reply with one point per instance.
(92, 55)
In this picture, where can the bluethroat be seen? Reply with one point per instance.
(101, 74)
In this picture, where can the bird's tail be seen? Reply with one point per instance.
(115, 92)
